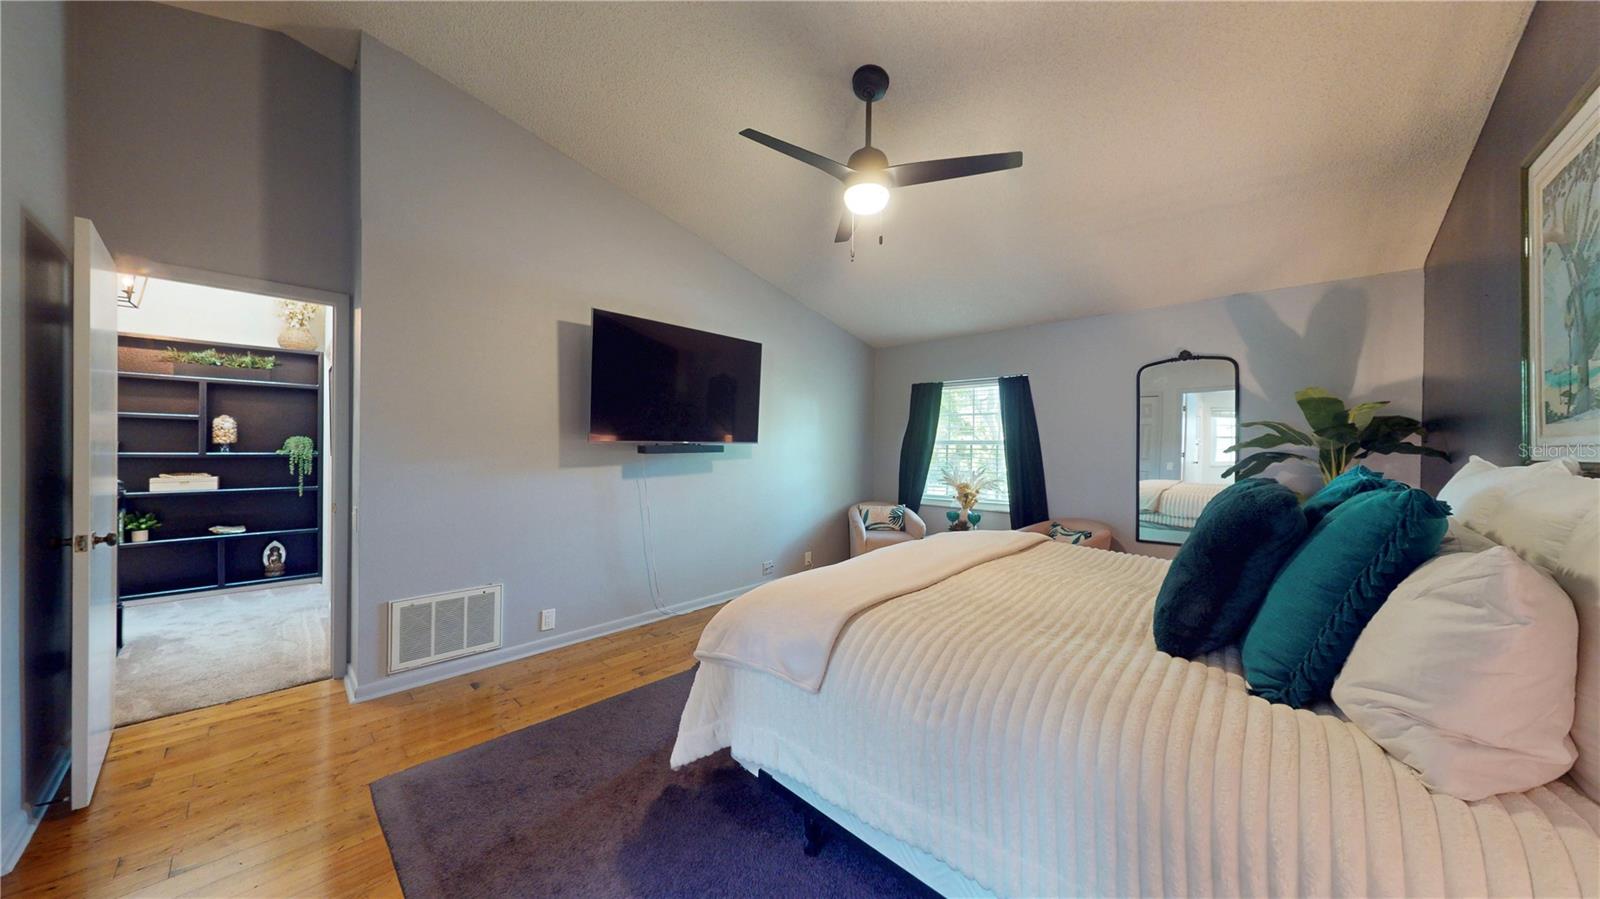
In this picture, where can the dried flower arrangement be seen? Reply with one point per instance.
(967, 488)
(296, 314)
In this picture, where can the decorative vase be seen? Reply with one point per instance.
(301, 338)
(958, 522)
(138, 536)
(973, 517)
(224, 432)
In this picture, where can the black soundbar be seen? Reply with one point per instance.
(653, 448)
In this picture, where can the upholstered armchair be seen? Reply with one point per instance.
(863, 540)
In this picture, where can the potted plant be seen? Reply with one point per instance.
(1339, 437)
(300, 450)
(297, 318)
(138, 525)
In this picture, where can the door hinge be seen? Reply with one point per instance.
(1527, 246)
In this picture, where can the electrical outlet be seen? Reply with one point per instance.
(808, 558)
(547, 620)
(768, 567)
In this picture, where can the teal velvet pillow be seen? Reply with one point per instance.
(1354, 482)
(1332, 586)
(1222, 572)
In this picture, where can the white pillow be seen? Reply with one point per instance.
(1467, 674)
(1458, 538)
(1476, 492)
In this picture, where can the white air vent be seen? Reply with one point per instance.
(430, 629)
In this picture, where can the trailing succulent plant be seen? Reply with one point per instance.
(1339, 437)
(301, 451)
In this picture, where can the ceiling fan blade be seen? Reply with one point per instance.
(959, 167)
(817, 160)
(847, 227)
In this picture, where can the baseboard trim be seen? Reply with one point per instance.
(17, 841)
(419, 677)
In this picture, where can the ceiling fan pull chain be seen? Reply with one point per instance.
(852, 237)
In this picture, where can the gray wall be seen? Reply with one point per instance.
(482, 251)
(1361, 339)
(1472, 372)
(212, 145)
(33, 197)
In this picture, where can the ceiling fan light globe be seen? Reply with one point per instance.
(866, 198)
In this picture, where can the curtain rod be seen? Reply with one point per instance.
(961, 381)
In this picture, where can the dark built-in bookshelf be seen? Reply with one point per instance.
(164, 426)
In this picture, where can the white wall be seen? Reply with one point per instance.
(195, 312)
(33, 187)
(481, 252)
(1361, 339)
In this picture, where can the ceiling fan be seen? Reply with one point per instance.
(868, 176)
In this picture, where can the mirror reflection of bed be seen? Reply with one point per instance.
(1188, 419)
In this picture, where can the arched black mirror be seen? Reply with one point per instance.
(1188, 418)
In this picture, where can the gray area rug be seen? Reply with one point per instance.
(585, 805)
(192, 653)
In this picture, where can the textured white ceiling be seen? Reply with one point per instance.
(1173, 151)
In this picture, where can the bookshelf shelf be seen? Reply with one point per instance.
(164, 428)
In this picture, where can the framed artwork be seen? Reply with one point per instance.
(1562, 292)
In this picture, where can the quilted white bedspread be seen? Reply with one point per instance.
(1016, 722)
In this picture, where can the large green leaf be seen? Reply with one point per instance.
(1289, 432)
(1256, 463)
(1263, 441)
(1361, 414)
(1323, 412)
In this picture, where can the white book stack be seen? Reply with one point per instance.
(183, 482)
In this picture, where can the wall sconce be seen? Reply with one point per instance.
(132, 292)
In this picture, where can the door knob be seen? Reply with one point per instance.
(109, 539)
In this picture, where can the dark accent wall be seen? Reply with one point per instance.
(211, 145)
(1472, 281)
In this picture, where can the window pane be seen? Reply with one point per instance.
(970, 438)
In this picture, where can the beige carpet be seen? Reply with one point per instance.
(193, 653)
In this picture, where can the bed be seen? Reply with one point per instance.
(1011, 729)
(1174, 504)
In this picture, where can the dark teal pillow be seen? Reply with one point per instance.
(1332, 586)
(1354, 482)
(1222, 573)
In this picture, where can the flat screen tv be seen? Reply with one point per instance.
(651, 382)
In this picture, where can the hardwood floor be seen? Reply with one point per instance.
(268, 796)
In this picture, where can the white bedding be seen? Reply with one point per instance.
(1175, 503)
(788, 627)
(1017, 723)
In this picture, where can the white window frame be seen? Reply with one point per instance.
(935, 493)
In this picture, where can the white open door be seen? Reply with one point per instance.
(94, 504)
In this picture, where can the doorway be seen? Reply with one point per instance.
(224, 422)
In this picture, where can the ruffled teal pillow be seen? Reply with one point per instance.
(1223, 572)
(1332, 586)
(1354, 482)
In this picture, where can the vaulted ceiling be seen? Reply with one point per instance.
(1173, 152)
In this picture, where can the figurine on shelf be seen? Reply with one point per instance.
(224, 432)
(273, 558)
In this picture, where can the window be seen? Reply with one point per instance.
(1222, 436)
(970, 437)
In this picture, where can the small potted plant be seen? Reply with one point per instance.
(138, 525)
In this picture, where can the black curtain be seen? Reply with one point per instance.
(1024, 460)
(916, 448)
